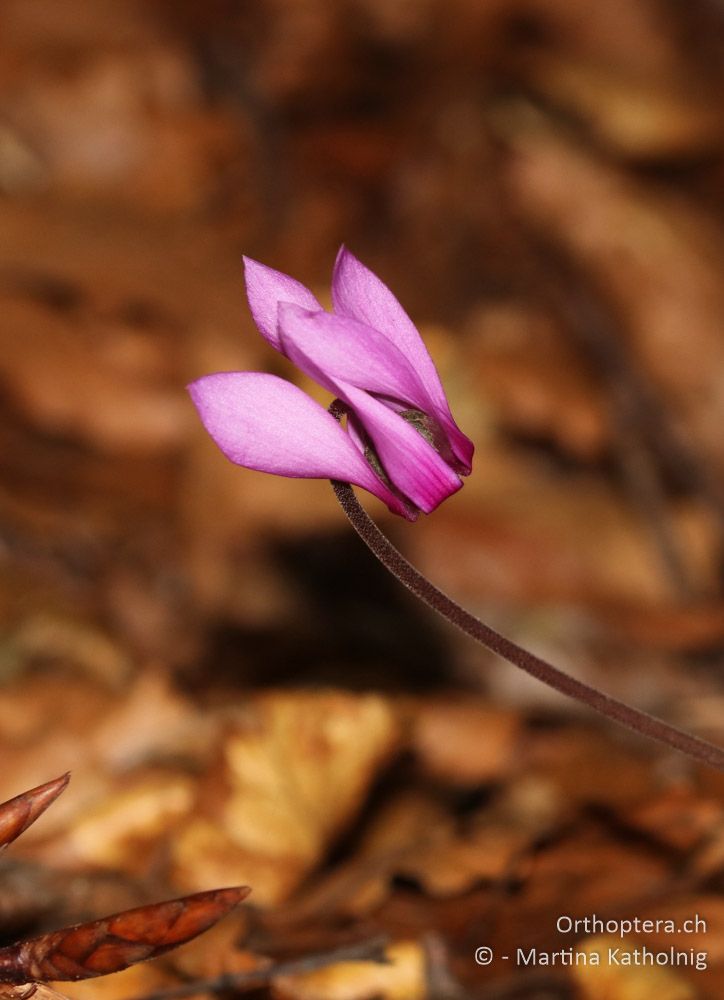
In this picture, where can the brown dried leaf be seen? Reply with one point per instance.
(631, 115)
(113, 943)
(403, 978)
(57, 378)
(631, 37)
(409, 821)
(610, 981)
(599, 764)
(220, 952)
(119, 829)
(135, 981)
(669, 292)
(679, 817)
(526, 370)
(465, 742)
(455, 865)
(676, 629)
(292, 773)
(488, 847)
(102, 736)
(59, 639)
(30, 991)
(589, 873)
(519, 534)
(706, 934)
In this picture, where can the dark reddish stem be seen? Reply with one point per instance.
(641, 722)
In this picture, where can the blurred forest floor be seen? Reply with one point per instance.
(241, 693)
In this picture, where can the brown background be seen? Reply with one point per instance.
(542, 184)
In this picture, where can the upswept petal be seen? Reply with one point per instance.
(343, 348)
(413, 466)
(359, 294)
(332, 348)
(325, 348)
(262, 422)
(265, 289)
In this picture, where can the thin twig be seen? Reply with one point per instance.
(371, 950)
(633, 718)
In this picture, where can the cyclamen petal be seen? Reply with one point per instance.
(265, 289)
(262, 422)
(415, 468)
(319, 344)
(332, 348)
(361, 295)
(335, 347)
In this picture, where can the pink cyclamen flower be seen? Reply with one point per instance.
(400, 443)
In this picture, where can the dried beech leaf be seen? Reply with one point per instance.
(630, 115)
(135, 981)
(627, 982)
(669, 295)
(465, 742)
(397, 830)
(19, 813)
(629, 36)
(706, 934)
(31, 991)
(118, 829)
(113, 943)
(293, 770)
(679, 818)
(588, 873)
(529, 375)
(82, 395)
(401, 977)
(220, 952)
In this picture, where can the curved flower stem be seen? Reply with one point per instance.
(641, 722)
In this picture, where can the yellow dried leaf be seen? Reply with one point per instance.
(293, 770)
(402, 979)
(204, 854)
(110, 832)
(137, 980)
(612, 981)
